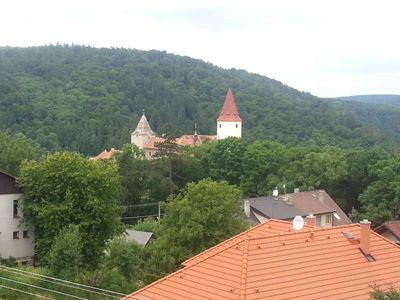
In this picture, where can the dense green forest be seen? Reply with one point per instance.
(86, 99)
(393, 100)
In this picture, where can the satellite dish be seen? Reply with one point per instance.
(298, 223)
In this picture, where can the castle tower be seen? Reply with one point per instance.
(142, 133)
(229, 123)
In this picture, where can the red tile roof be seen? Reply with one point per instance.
(184, 140)
(105, 154)
(317, 263)
(269, 228)
(229, 112)
(392, 227)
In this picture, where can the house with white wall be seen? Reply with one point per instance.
(16, 238)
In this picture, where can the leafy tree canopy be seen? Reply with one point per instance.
(65, 189)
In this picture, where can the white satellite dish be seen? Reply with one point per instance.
(298, 223)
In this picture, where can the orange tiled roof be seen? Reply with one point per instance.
(268, 228)
(184, 140)
(229, 112)
(317, 263)
(105, 154)
(151, 143)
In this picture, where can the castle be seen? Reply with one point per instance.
(229, 124)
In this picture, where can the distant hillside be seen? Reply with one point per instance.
(86, 99)
(393, 100)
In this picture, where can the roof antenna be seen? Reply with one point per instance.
(143, 110)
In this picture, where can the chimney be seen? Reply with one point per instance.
(247, 208)
(321, 196)
(289, 200)
(311, 220)
(365, 232)
(296, 190)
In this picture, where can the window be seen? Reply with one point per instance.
(15, 209)
(25, 234)
(237, 125)
(318, 219)
(220, 125)
(328, 219)
(16, 235)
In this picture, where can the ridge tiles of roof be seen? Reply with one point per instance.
(317, 263)
(229, 110)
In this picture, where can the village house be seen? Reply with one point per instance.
(16, 238)
(287, 206)
(274, 261)
(390, 230)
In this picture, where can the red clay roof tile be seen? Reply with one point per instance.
(229, 112)
(309, 264)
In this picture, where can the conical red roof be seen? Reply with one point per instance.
(229, 112)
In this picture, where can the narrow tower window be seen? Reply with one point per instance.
(237, 125)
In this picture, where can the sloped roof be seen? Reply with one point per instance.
(392, 227)
(105, 154)
(318, 263)
(194, 139)
(318, 202)
(268, 228)
(152, 142)
(229, 112)
(275, 208)
(140, 237)
(143, 127)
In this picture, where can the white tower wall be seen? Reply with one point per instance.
(227, 129)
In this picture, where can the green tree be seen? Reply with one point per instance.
(65, 189)
(65, 257)
(387, 294)
(224, 159)
(261, 160)
(381, 200)
(126, 256)
(16, 148)
(205, 214)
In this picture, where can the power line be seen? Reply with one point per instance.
(42, 288)
(54, 281)
(21, 291)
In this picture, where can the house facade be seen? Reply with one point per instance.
(16, 238)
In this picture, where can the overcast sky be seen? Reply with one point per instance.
(326, 47)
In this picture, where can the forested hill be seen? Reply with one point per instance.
(86, 99)
(392, 100)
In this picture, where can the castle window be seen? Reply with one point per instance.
(237, 125)
(16, 235)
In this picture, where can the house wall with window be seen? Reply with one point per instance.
(16, 238)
